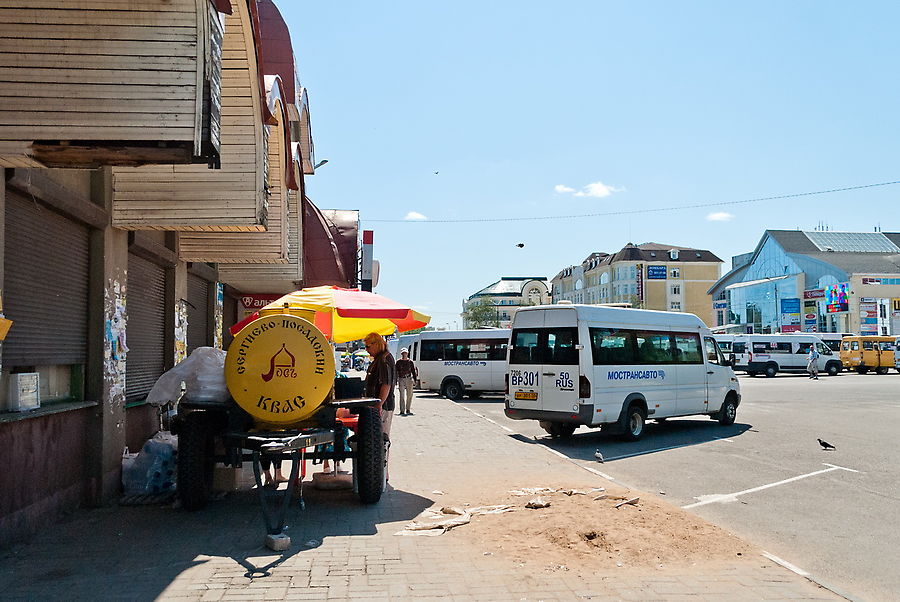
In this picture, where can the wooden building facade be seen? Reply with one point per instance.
(160, 160)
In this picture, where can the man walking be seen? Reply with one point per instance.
(812, 362)
(406, 378)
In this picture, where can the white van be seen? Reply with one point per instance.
(461, 362)
(770, 354)
(572, 365)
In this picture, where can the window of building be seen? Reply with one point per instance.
(676, 289)
(675, 306)
(675, 273)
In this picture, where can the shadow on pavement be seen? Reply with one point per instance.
(136, 552)
(671, 434)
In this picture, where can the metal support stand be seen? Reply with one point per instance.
(275, 505)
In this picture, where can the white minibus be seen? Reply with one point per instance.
(461, 362)
(770, 354)
(572, 365)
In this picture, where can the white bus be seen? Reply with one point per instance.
(461, 362)
(572, 365)
(770, 354)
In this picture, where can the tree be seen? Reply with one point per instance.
(481, 313)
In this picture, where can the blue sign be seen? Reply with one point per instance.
(656, 272)
(790, 306)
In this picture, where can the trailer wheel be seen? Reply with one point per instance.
(369, 466)
(559, 430)
(195, 460)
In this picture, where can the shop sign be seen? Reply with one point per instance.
(868, 329)
(790, 328)
(871, 280)
(656, 272)
(720, 304)
(639, 275)
(255, 302)
(816, 293)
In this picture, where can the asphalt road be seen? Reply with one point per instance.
(830, 513)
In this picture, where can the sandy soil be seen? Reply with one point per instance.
(581, 533)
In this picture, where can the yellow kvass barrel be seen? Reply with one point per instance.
(279, 369)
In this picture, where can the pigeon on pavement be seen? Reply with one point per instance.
(825, 445)
(599, 456)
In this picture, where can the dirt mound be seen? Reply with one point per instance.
(579, 532)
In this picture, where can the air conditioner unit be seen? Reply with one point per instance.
(24, 392)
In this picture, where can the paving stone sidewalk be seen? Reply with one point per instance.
(345, 551)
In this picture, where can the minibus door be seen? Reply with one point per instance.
(718, 375)
(559, 371)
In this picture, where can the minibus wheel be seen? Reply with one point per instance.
(559, 430)
(728, 413)
(833, 369)
(453, 389)
(633, 422)
(752, 372)
(861, 370)
(771, 370)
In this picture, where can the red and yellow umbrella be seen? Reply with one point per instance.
(345, 314)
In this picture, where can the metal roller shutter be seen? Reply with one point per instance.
(146, 334)
(198, 313)
(46, 268)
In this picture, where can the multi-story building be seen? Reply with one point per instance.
(815, 282)
(506, 295)
(649, 275)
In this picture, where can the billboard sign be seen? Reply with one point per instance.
(816, 293)
(837, 297)
(656, 272)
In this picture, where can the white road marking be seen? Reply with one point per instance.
(732, 497)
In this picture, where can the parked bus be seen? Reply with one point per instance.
(833, 339)
(897, 354)
(770, 354)
(572, 365)
(868, 352)
(461, 362)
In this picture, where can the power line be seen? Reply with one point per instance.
(635, 211)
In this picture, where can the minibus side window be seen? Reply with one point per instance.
(739, 348)
(713, 354)
(687, 348)
(612, 346)
(854, 345)
(497, 350)
(867, 346)
(803, 348)
(653, 348)
(824, 349)
(782, 348)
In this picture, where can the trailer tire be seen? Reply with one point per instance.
(195, 460)
(452, 389)
(369, 465)
(559, 430)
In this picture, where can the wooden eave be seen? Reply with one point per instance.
(194, 198)
(108, 83)
(272, 245)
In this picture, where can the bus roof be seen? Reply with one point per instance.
(621, 315)
(480, 333)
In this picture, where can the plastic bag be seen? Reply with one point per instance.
(154, 468)
(203, 374)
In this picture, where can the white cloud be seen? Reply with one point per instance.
(562, 188)
(415, 216)
(719, 216)
(598, 189)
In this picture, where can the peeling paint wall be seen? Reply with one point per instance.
(219, 315)
(181, 326)
(115, 348)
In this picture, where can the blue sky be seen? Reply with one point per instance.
(627, 106)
